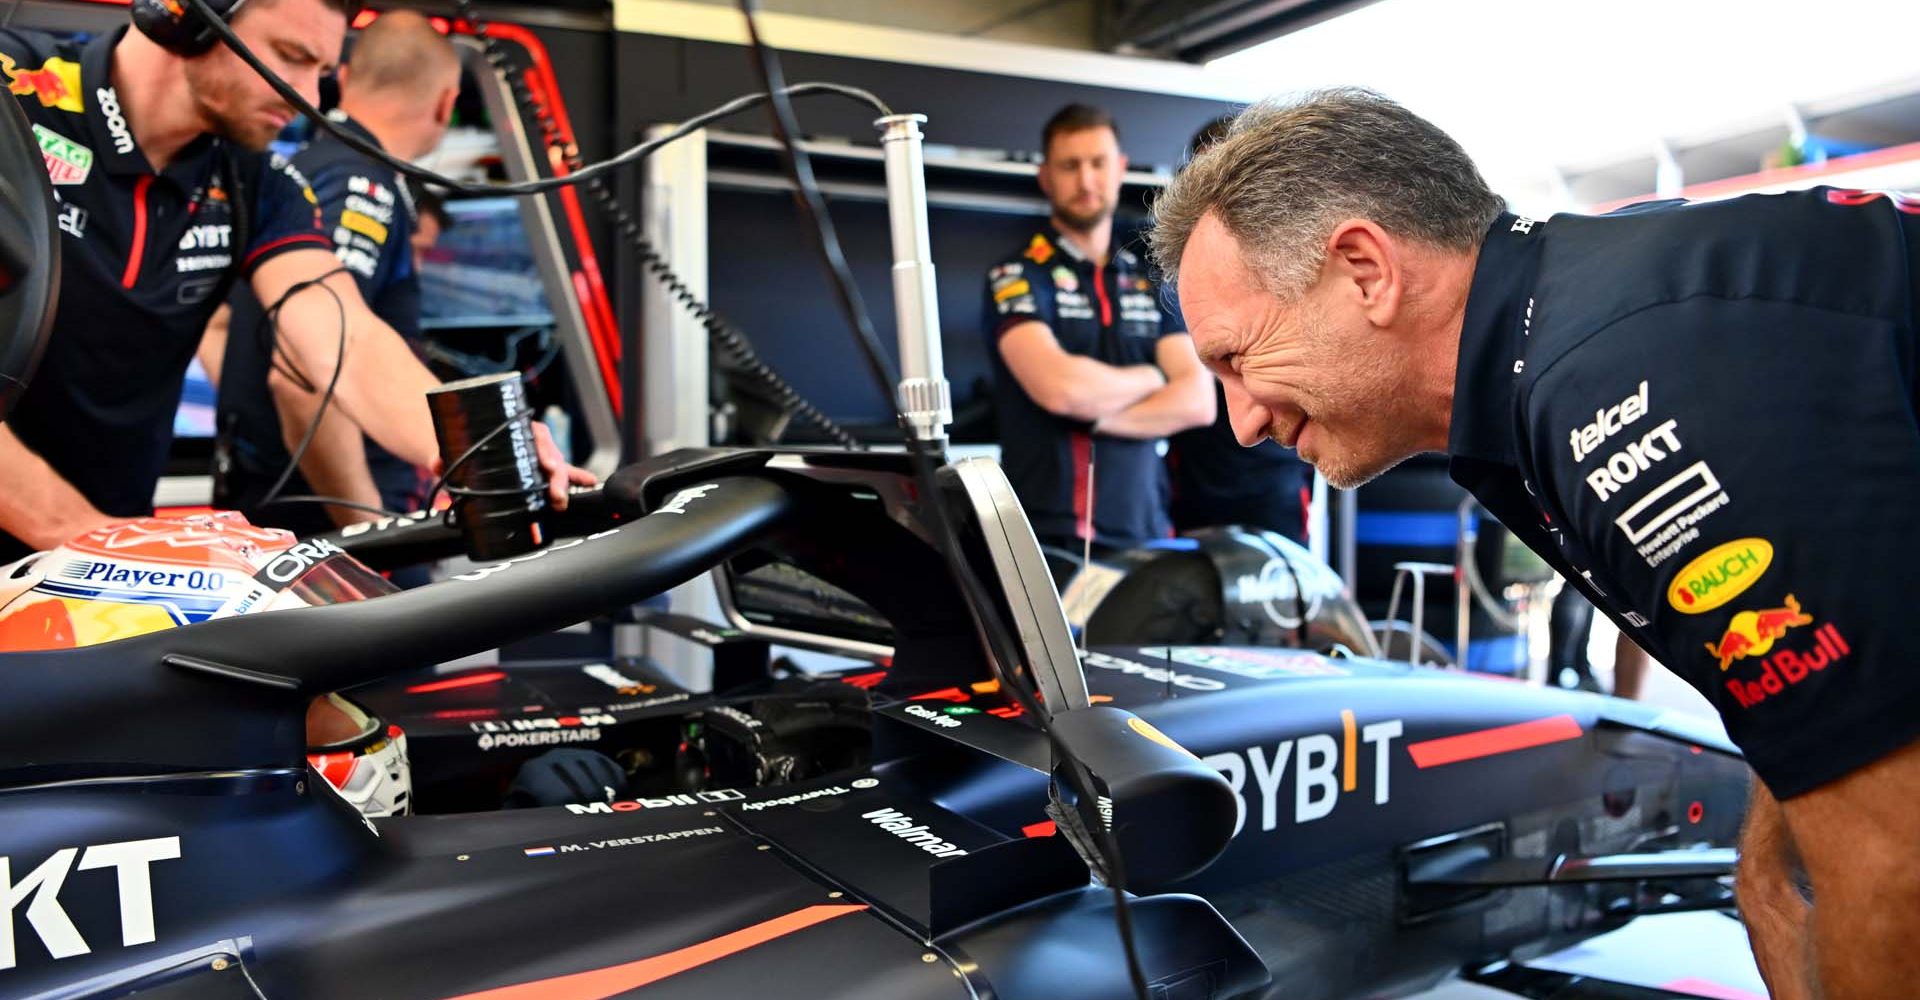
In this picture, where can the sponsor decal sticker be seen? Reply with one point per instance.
(639, 841)
(68, 162)
(56, 83)
(797, 797)
(289, 565)
(865, 782)
(538, 852)
(707, 798)
(116, 122)
(678, 505)
(1753, 633)
(73, 221)
(1607, 422)
(1012, 290)
(1665, 521)
(1324, 767)
(1626, 465)
(1156, 675)
(364, 225)
(901, 825)
(1145, 728)
(1719, 575)
(1065, 280)
(618, 681)
(131, 861)
(1788, 667)
(938, 719)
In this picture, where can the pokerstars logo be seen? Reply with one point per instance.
(1323, 767)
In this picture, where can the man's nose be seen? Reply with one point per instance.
(1250, 420)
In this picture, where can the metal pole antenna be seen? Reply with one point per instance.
(925, 398)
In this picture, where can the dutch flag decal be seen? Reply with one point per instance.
(537, 852)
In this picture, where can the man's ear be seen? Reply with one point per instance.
(1046, 181)
(443, 109)
(1366, 265)
(340, 76)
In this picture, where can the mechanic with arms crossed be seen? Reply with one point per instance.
(1091, 368)
(1702, 415)
(154, 139)
(397, 91)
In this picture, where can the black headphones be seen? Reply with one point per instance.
(179, 28)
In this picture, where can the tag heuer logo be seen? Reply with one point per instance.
(68, 162)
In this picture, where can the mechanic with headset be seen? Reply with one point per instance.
(1217, 482)
(1702, 415)
(397, 90)
(1091, 368)
(154, 139)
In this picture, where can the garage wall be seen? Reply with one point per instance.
(763, 270)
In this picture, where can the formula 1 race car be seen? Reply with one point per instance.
(1376, 827)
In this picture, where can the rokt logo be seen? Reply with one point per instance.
(129, 859)
(1626, 465)
(1719, 575)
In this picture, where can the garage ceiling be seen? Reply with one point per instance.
(1197, 30)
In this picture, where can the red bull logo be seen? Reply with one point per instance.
(1752, 633)
(56, 83)
(1788, 667)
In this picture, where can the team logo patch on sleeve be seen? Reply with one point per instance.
(1753, 633)
(68, 162)
(56, 83)
(1039, 250)
(1065, 280)
(1719, 575)
(1013, 288)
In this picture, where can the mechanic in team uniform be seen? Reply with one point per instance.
(397, 91)
(154, 139)
(1702, 415)
(1217, 482)
(1091, 368)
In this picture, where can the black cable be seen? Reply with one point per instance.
(271, 321)
(985, 613)
(447, 473)
(333, 502)
(728, 337)
(633, 154)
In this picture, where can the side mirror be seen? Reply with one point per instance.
(1170, 814)
(29, 255)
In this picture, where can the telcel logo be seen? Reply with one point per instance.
(129, 860)
(1324, 766)
(1719, 575)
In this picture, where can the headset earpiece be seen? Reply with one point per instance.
(177, 27)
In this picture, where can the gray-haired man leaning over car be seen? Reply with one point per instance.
(1702, 415)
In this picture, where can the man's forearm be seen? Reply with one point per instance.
(37, 506)
(335, 462)
(1771, 905)
(1175, 407)
(383, 386)
(1094, 390)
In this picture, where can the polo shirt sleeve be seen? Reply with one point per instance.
(1013, 295)
(286, 214)
(1741, 476)
(363, 215)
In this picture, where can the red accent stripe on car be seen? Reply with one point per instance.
(1044, 828)
(138, 248)
(471, 680)
(1499, 740)
(597, 984)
